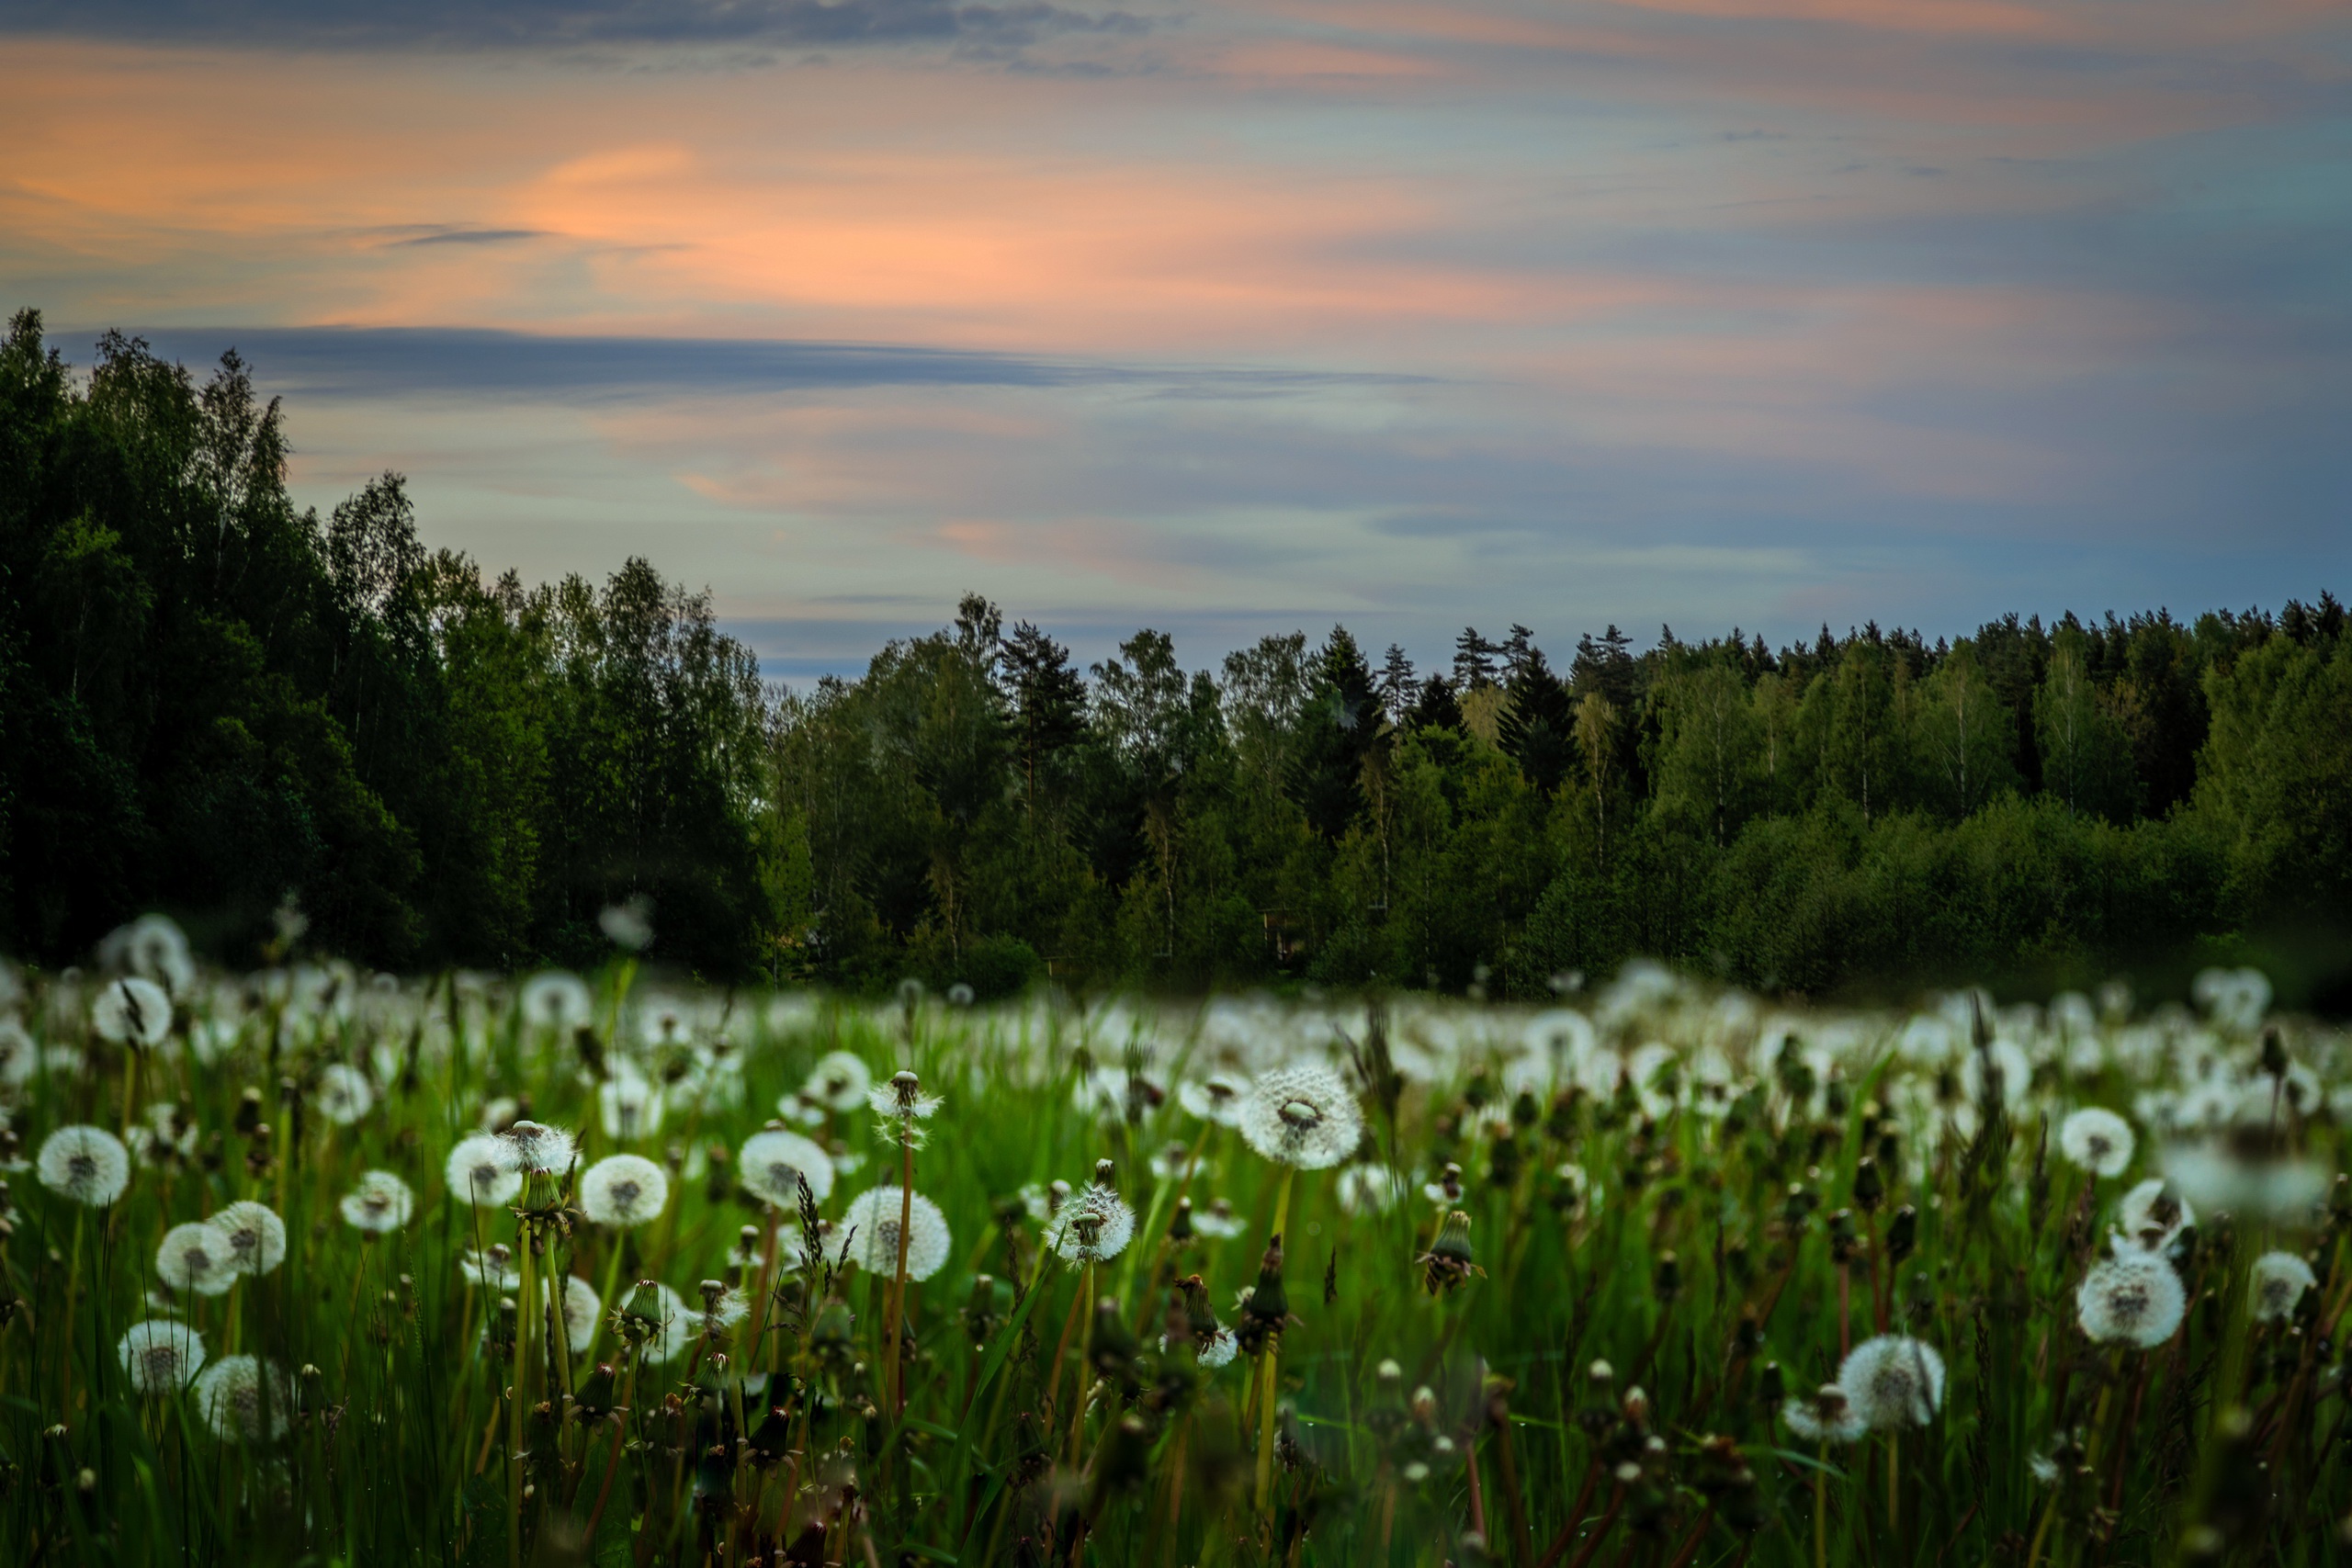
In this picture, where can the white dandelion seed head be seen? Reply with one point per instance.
(621, 1191)
(631, 1104)
(86, 1164)
(2044, 1468)
(343, 1093)
(478, 1174)
(1219, 1220)
(1217, 1350)
(381, 1202)
(19, 1055)
(2279, 1279)
(629, 924)
(2003, 1060)
(197, 1259)
(580, 1310)
(1095, 1226)
(154, 948)
(1217, 1098)
(162, 1355)
(900, 1101)
(532, 1148)
(2097, 1140)
(257, 1235)
(231, 1396)
(723, 1306)
(839, 1081)
(493, 1268)
(556, 1000)
(663, 1022)
(163, 1137)
(1302, 1116)
(871, 1225)
(131, 1011)
(773, 1163)
(2132, 1299)
(1893, 1381)
(1828, 1417)
(2151, 1216)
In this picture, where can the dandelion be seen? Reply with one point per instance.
(257, 1235)
(774, 1163)
(902, 1103)
(723, 1306)
(2150, 1216)
(630, 1105)
(1369, 1188)
(151, 946)
(162, 1138)
(232, 1396)
(2279, 1282)
(1828, 1417)
(19, 1055)
(1218, 1221)
(2002, 1064)
(630, 924)
(1214, 1344)
(656, 1320)
(1302, 1116)
(131, 1011)
(196, 1259)
(871, 1228)
(529, 1149)
(839, 1081)
(343, 1094)
(1095, 1226)
(492, 1268)
(581, 1310)
(2134, 1298)
(380, 1204)
(161, 1354)
(1893, 1381)
(621, 1191)
(1217, 1098)
(557, 1001)
(2097, 1140)
(89, 1164)
(478, 1174)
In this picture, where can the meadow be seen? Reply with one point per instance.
(313, 1265)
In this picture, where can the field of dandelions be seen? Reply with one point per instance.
(316, 1266)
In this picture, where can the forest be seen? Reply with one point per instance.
(261, 720)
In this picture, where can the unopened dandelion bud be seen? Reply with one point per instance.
(1635, 1406)
(1106, 1174)
(1180, 1228)
(1748, 1333)
(1668, 1279)
(1771, 1385)
(1601, 1375)
(1869, 1190)
(1449, 1260)
(1389, 1373)
(1424, 1404)
(1902, 1235)
(1843, 1241)
(2274, 1052)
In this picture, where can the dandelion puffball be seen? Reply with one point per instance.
(233, 1393)
(1828, 1417)
(343, 1094)
(89, 1164)
(1302, 1116)
(530, 1148)
(197, 1258)
(1217, 1098)
(557, 1001)
(630, 1105)
(2097, 1140)
(132, 1011)
(2134, 1298)
(580, 1309)
(774, 1163)
(161, 1354)
(871, 1225)
(839, 1081)
(381, 1202)
(2152, 1215)
(1095, 1226)
(2279, 1282)
(1892, 1381)
(257, 1235)
(477, 1172)
(622, 1190)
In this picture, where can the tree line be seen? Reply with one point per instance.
(213, 702)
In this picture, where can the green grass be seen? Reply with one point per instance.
(1698, 1254)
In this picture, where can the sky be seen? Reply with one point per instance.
(1232, 319)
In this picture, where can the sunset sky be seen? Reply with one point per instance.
(1232, 319)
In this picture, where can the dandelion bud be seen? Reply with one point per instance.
(1843, 1242)
(2274, 1052)
(1668, 1280)
(248, 1116)
(1902, 1235)
(1424, 1404)
(1180, 1229)
(1627, 1474)
(1869, 1190)
(1389, 1373)
(1603, 1374)
(1449, 1261)
(1637, 1407)
(1772, 1387)
(1105, 1173)
(1747, 1334)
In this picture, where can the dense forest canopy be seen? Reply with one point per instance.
(214, 703)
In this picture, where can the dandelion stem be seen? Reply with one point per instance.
(1270, 1361)
(517, 1396)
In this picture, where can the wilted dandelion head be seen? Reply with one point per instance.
(196, 1259)
(478, 1173)
(1302, 1116)
(161, 1354)
(556, 1000)
(631, 1104)
(1095, 1226)
(530, 1148)
(581, 1310)
(2132, 1299)
(2097, 1140)
(257, 1235)
(1828, 1417)
(1217, 1098)
(2150, 1216)
(233, 1392)
(1893, 1381)
(89, 1164)
(2279, 1279)
(131, 1010)
(902, 1103)
(871, 1225)
(839, 1081)
(343, 1094)
(380, 1202)
(774, 1163)
(624, 1190)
